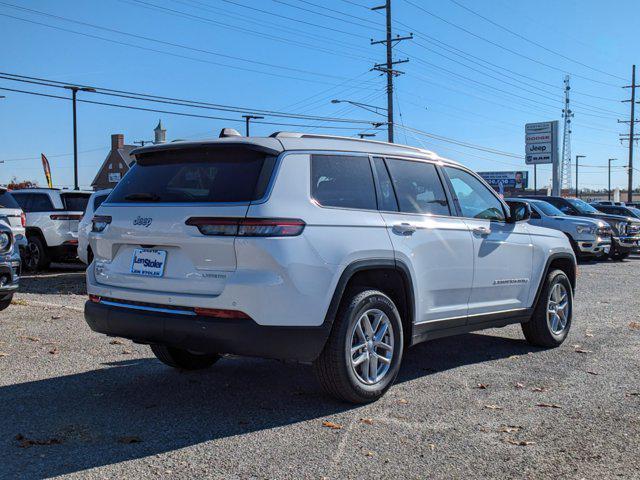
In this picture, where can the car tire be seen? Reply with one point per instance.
(4, 303)
(618, 255)
(183, 359)
(551, 320)
(36, 256)
(368, 318)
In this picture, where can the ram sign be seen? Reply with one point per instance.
(541, 142)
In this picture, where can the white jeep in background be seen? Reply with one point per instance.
(330, 250)
(52, 217)
(84, 227)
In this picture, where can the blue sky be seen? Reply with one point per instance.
(293, 56)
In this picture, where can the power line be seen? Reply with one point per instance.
(498, 45)
(522, 37)
(169, 112)
(173, 101)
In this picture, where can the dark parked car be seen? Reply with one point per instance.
(9, 265)
(624, 210)
(626, 230)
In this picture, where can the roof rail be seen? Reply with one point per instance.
(338, 137)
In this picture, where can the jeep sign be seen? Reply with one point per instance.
(541, 142)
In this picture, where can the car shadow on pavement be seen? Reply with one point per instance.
(138, 408)
(60, 279)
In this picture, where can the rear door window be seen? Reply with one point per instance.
(418, 187)
(343, 181)
(75, 202)
(387, 201)
(7, 200)
(196, 175)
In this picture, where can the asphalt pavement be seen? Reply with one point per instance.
(76, 404)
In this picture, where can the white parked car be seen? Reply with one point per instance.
(12, 215)
(330, 250)
(52, 218)
(84, 227)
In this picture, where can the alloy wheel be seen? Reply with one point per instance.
(558, 308)
(371, 346)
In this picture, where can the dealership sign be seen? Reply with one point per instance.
(541, 142)
(501, 181)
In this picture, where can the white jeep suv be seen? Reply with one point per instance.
(320, 249)
(51, 224)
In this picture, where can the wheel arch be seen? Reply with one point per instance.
(35, 231)
(393, 277)
(561, 261)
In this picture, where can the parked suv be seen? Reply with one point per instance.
(626, 230)
(623, 210)
(9, 266)
(52, 224)
(589, 237)
(329, 250)
(14, 216)
(84, 227)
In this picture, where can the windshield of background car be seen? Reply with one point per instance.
(548, 209)
(7, 200)
(581, 206)
(196, 175)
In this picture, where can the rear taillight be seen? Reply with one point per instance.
(95, 298)
(248, 227)
(23, 219)
(100, 222)
(65, 217)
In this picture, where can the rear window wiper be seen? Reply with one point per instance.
(142, 197)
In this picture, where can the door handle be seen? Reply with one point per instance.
(404, 228)
(482, 231)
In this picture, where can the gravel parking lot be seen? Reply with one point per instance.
(81, 405)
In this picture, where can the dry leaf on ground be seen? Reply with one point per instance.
(582, 350)
(4, 354)
(634, 325)
(331, 425)
(548, 405)
(403, 401)
(509, 429)
(591, 372)
(130, 439)
(519, 385)
(632, 394)
(520, 443)
(493, 407)
(368, 421)
(482, 386)
(115, 341)
(539, 389)
(54, 351)
(25, 442)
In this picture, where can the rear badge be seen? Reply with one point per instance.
(143, 221)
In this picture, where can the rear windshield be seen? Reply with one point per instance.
(75, 202)
(199, 175)
(7, 200)
(97, 201)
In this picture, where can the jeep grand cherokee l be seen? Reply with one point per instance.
(320, 249)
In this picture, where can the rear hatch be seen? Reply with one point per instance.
(10, 209)
(146, 242)
(74, 205)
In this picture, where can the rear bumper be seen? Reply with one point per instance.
(207, 334)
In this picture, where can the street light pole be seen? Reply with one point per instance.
(578, 157)
(248, 118)
(367, 107)
(609, 189)
(74, 92)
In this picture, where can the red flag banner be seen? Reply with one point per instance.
(47, 170)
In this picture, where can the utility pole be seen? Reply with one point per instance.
(631, 137)
(578, 157)
(609, 188)
(567, 115)
(387, 67)
(248, 118)
(74, 92)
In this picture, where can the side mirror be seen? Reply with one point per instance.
(519, 212)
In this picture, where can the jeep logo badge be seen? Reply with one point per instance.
(143, 221)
